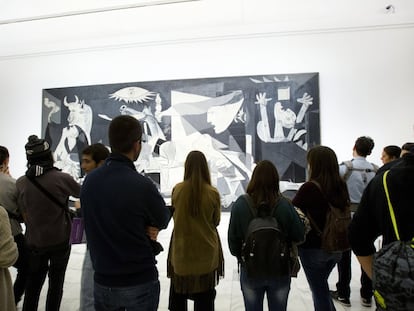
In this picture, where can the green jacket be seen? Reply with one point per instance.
(195, 259)
(241, 215)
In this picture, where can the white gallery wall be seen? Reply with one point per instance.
(363, 53)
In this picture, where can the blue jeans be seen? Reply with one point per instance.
(86, 293)
(142, 297)
(317, 265)
(276, 289)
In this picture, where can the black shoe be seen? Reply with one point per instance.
(342, 300)
(366, 302)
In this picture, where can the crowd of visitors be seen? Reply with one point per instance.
(124, 211)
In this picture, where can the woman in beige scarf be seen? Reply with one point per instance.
(8, 256)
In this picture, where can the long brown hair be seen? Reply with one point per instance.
(264, 184)
(196, 176)
(324, 169)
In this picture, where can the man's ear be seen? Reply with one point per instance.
(100, 163)
(139, 146)
(137, 149)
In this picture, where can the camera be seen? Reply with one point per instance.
(390, 8)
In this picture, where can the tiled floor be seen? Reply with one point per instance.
(228, 291)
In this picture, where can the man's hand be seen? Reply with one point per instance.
(152, 232)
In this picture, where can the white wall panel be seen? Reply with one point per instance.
(365, 72)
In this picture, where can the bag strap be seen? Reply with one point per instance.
(392, 214)
(349, 168)
(48, 194)
(254, 210)
(375, 168)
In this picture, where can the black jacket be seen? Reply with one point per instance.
(372, 218)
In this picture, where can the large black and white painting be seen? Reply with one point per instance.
(235, 121)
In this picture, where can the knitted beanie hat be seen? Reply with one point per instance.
(36, 148)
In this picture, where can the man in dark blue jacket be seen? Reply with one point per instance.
(119, 205)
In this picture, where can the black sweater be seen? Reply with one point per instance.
(372, 218)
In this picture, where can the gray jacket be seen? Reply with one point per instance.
(8, 199)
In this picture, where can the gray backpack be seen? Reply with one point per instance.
(350, 167)
(393, 270)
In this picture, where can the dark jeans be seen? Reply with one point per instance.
(344, 278)
(46, 261)
(202, 301)
(22, 266)
(142, 297)
(366, 285)
(318, 265)
(344, 275)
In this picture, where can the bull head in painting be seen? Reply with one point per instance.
(80, 114)
(75, 136)
(76, 111)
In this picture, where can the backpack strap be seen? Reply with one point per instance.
(375, 168)
(349, 168)
(392, 214)
(253, 210)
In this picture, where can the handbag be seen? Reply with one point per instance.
(294, 263)
(77, 233)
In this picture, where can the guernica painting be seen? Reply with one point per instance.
(235, 121)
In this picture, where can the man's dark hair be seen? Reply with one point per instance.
(407, 146)
(364, 146)
(123, 132)
(4, 154)
(392, 151)
(98, 152)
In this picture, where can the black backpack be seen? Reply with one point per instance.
(265, 250)
(393, 270)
